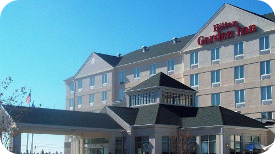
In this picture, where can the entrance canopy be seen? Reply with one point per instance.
(60, 122)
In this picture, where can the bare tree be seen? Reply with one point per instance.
(8, 129)
(181, 142)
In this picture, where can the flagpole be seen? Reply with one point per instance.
(27, 148)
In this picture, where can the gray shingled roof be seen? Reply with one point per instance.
(269, 16)
(186, 116)
(112, 60)
(155, 50)
(161, 80)
(60, 117)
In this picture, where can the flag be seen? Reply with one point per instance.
(28, 99)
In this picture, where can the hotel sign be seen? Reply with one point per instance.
(220, 36)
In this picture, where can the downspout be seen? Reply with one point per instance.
(130, 138)
(221, 138)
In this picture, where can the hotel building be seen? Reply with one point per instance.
(228, 62)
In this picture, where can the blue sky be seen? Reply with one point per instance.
(43, 42)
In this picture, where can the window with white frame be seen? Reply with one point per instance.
(71, 103)
(215, 55)
(194, 59)
(239, 98)
(265, 70)
(238, 50)
(239, 74)
(215, 78)
(171, 66)
(266, 95)
(194, 81)
(216, 99)
(79, 83)
(264, 43)
(121, 94)
(104, 79)
(208, 144)
(136, 73)
(92, 99)
(153, 69)
(79, 101)
(121, 77)
(92, 82)
(104, 96)
(267, 115)
(71, 86)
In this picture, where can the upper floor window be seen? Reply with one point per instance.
(264, 43)
(239, 98)
(265, 70)
(71, 85)
(92, 99)
(79, 101)
(266, 95)
(238, 51)
(194, 59)
(215, 78)
(239, 74)
(215, 56)
(104, 96)
(121, 94)
(136, 73)
(92, 82)
(79, 83)
(71, 103)
(216, 99)
(171, 66)
(121, 77)
(194, 81)
(153, 69)
(104, 79)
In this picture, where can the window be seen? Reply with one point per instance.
(264, 43)
(92, 82)
(79, 84)
(142, 145)
(166, 147)
(120, 147)
(265, 70)
(215, 78)
(92, 99)
(170, 66)
(266, 95)
(208, 144)
(79, 101)
(194, 81)
(121, 77)
(153, 69)
(71, 85)
(239, 98)
(235, 144)
(194, 58)
(121, 94)
(239, 74)
(267, 115)
(104, 96)
(197, 101)
(137, 73)
(216, 99)
(215, 56)
(104, 79)
(238, 51)
(71, 103)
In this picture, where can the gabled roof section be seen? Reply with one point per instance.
(161, 80)
(155, 51)
(112, 60)
(60, 117)
(269, 16)
(227, 13)
(166, 114)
